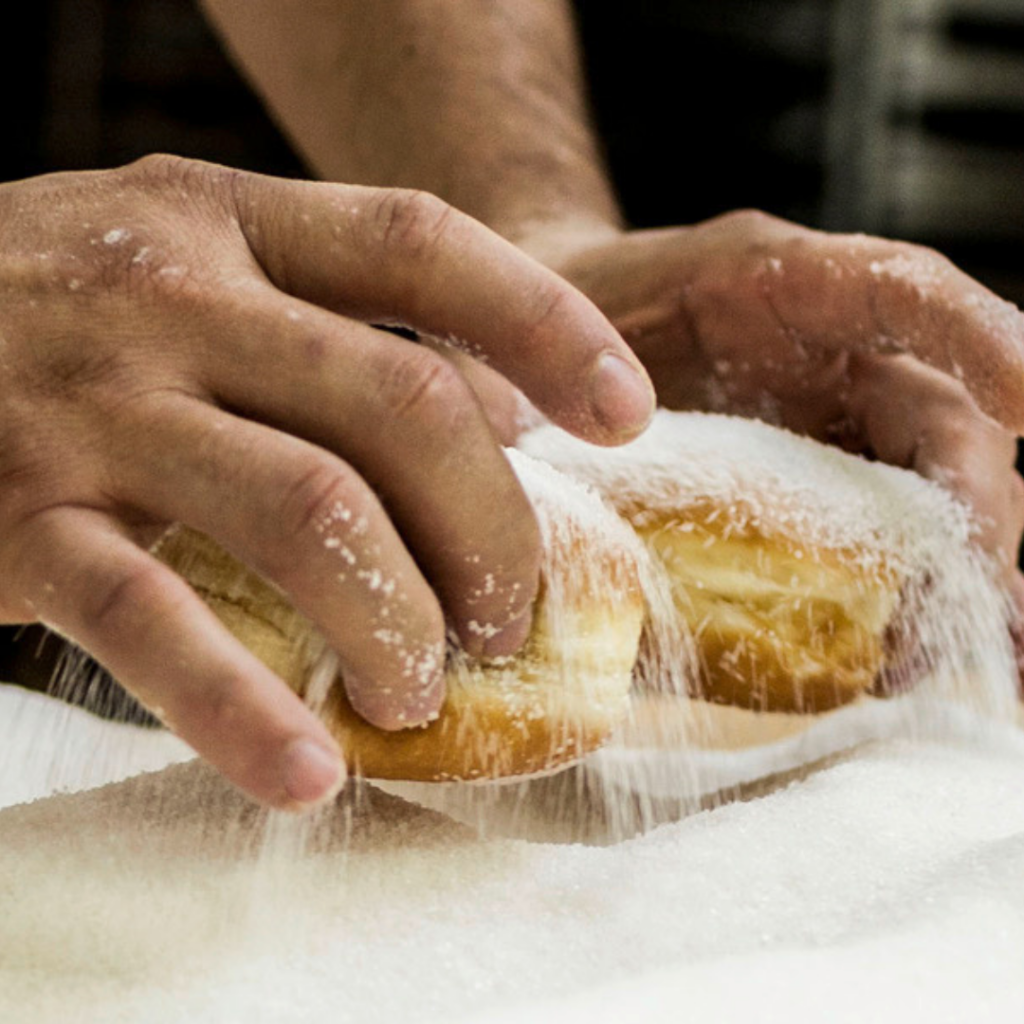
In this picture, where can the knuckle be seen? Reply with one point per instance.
(181, 200)
(165, 169)
(922, 254)
(748, 221)
(118, 608)
(412, 222)
(215, 709)
(909, 267)
(549, 309)
(164, 280)
(322, 491)
(157, 165)
(146, 272)
(222, 704)
(421, 385)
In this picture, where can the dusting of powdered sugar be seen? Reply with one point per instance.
(878, 517)
(568, 508)
(164, 898)
(807, 491)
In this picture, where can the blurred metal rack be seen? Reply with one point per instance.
(926, 128)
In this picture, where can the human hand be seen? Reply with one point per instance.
(882, 347)
(183, 342)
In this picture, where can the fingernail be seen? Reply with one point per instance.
(622, 398)
(311, 773)
(509, 638)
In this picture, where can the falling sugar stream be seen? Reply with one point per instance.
(224, 912)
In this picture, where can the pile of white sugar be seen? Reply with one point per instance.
(881, 880)
(887, 887)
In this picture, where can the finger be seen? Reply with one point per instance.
(896, 297)
(145, 625)
(386, 255)
(973, 466)
(305, 520)
(916, 416)
(1017, 627)
(411, 426)
(509, 412)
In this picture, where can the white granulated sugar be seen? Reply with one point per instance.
(50, 747)
(557, 498)
(870, 865)
(574, 523)
(810, 491)
(888, 887)
(872, 514)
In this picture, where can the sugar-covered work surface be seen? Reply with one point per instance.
(887, 885)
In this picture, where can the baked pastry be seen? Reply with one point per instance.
(788, 561)
(556, 700)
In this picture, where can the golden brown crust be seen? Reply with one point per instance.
(498, 721)
(548, 706)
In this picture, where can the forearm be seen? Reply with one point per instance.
(481, 103)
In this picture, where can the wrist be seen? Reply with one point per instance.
(555, 239)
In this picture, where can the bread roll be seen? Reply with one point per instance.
(559, 698)
(787, 559)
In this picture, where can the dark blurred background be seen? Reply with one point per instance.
(897, 117)
(893, 117)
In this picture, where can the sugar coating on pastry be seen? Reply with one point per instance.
(553, 702)
(794, 565)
